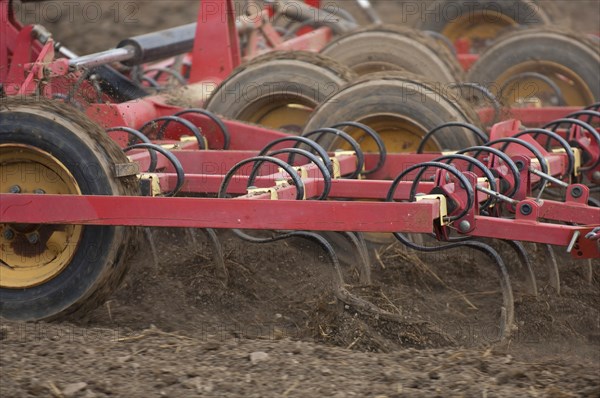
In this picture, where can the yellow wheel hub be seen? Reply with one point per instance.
(478, 27)
(534, 92)
(279, 113)
(399, 134)
(34, 254)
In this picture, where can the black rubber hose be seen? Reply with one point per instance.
(137, 134)
(301, 140)
(530, 147)
(360, 157)
(172, 158)
(552, 135)
(214, 118)
(488, 173)
(185, 123)
(557, 123)
(511, 165)
(466, 185)
(475, 130)
(313, 158)
(288, 169)
(376, 137)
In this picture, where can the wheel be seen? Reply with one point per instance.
(480, 22)
(51, 271)
(401, 108)
(279, 90)
(426, 57)
(540, 67)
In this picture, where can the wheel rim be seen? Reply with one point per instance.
(35, 254)
(399, 134)
(280, 112)
(534, 92)
(479, 27)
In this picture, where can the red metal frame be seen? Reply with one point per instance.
(31, 63)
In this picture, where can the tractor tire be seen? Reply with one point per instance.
(401, 108)
(69, 269)
(481, 21)
(569, 63)
(279, 90)
(427, 57)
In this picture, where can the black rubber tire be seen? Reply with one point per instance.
(522, 12)
(292, 77)
(99, 262)
(398, 48)
(398, 94)
(573, 51)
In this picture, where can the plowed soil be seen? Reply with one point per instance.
(266, 322)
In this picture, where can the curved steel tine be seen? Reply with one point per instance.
(553, 274)
(149, 235)
(218, 253)
(525, 261)
(589, 271)
(508, 303)
(357, 239)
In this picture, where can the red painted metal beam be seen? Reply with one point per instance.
(219, 213)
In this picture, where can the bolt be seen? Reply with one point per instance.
(8, 234)
(39, 191)
(576, 192)
(464, 226)
(33, 238)
(526, 209)
(520, 165)
(14, 189)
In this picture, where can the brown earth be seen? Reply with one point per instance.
(183, 325)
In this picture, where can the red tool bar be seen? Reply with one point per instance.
(522, 230)
(219, 213)
(368, 190)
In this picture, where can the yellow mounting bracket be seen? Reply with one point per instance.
(260, 191)
(443, 205)
(337, 169)
(154, 182)
(302, 172)
(577, 153)
(191, 138)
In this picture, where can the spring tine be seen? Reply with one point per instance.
(149, 234)
(477, 132)
(553, 274)
(507, 315)
(218, 253)
(589, 272)
(508, 303)
(525, 260)
(358, 241)
(375, 136)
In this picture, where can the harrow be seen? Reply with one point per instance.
(74, 185)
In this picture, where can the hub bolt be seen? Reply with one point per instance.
(8, 234)
(39, 191)
(33, 238)
(14, 189)
(576, 192)
(464, 226)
